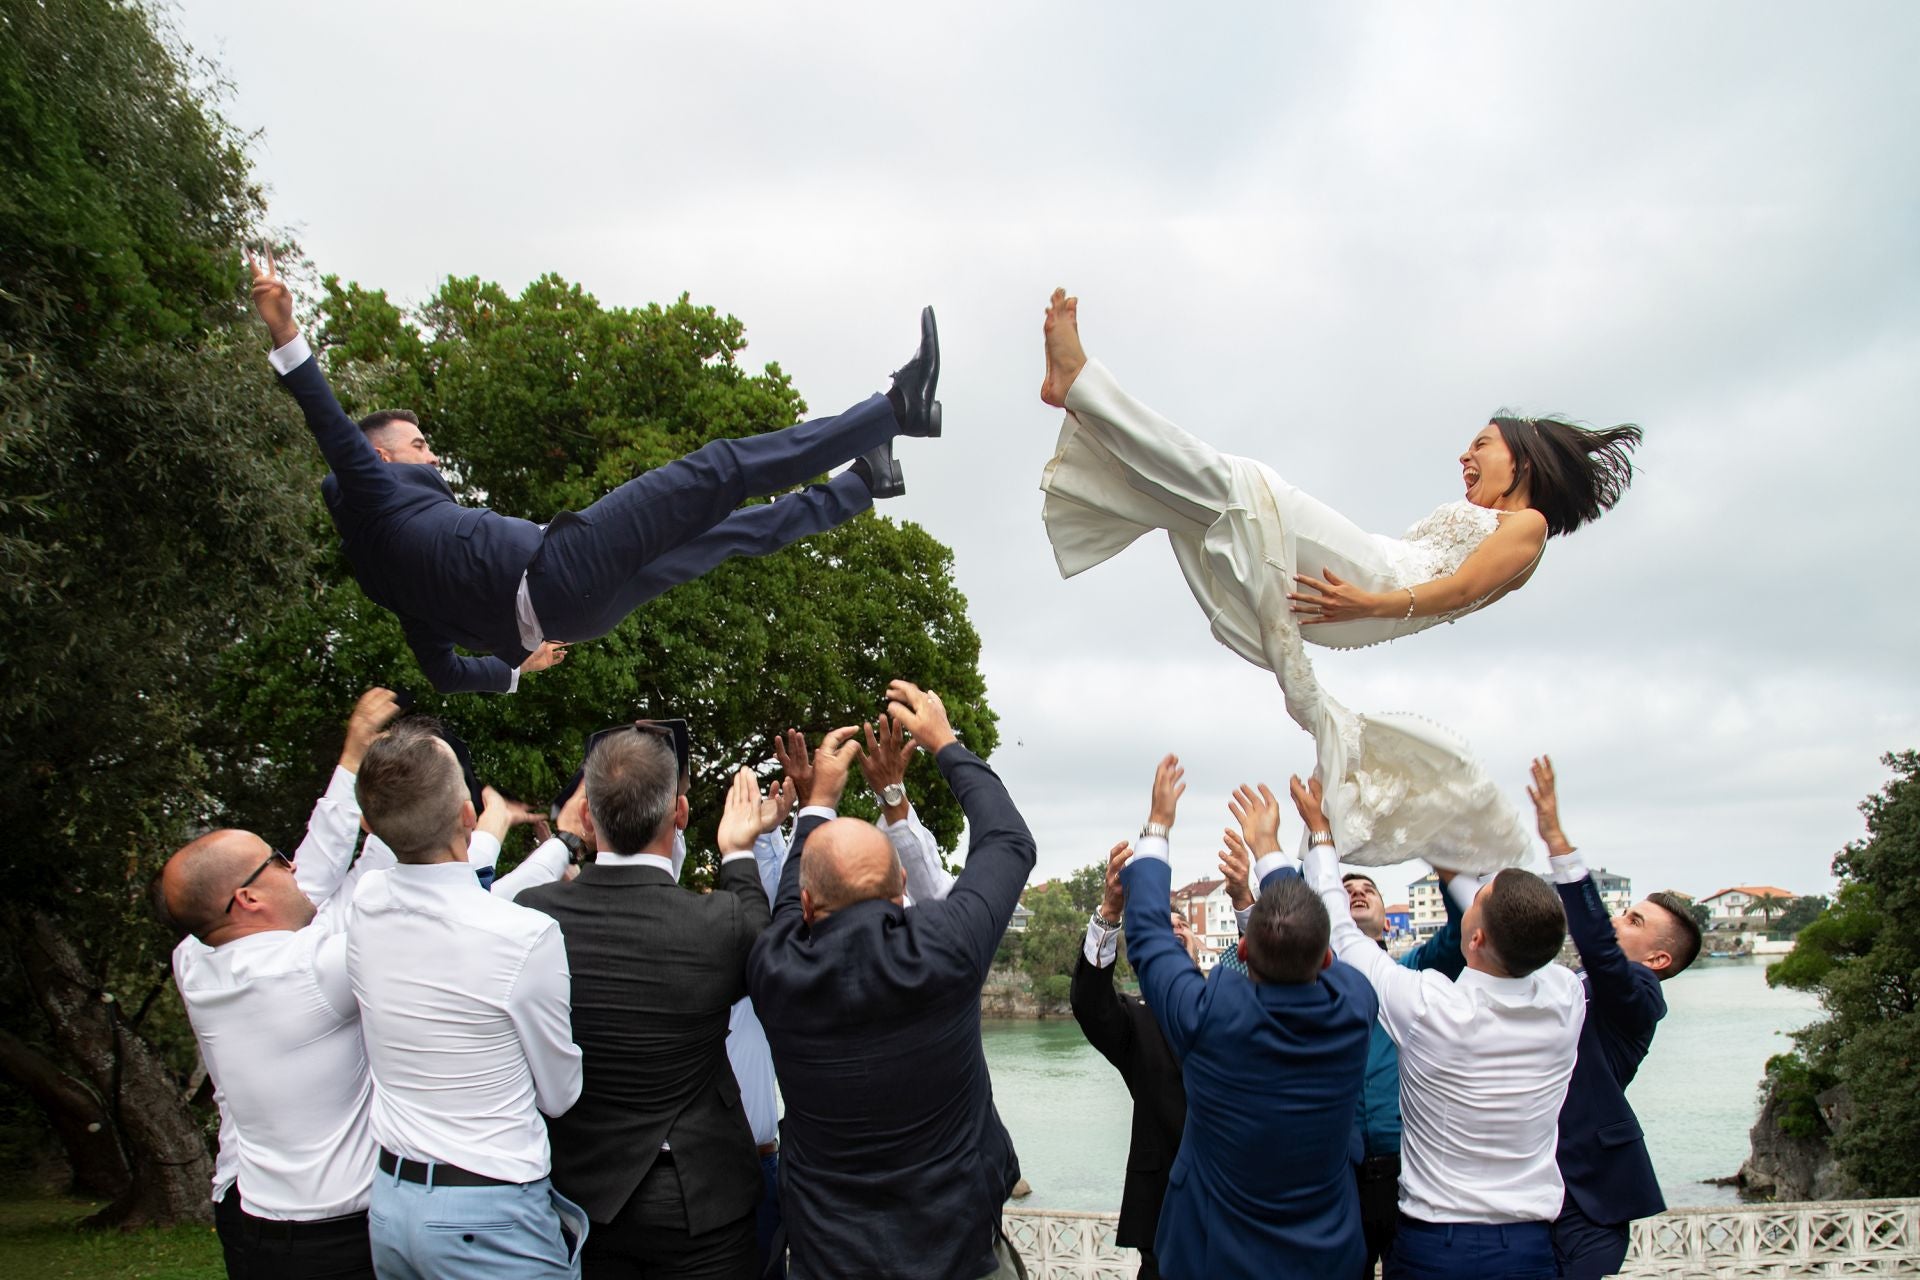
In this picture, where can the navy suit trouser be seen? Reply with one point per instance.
(674, 523)
(1470, 1251)
(1584, 1249)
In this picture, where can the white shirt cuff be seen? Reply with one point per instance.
(482, 849)
(817, 811)
(1321, 868)
(1240, 917)
(1102, 946)
(725, 858)
(1152, 847)
(513, 681)
(1569, 869)
(290, 357)
(1266, 865)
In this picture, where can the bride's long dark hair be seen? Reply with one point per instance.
(1574, 473)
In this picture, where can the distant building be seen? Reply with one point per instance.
(1430, 913)
(1733, 910)
(1210, 913)
(1399, 920)
(1020, 917)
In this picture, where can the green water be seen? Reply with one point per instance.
(1696, 1094)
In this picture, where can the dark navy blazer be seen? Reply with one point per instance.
(449, 572)
(1603, 1156)
(893, 1160)
(1263, 1183)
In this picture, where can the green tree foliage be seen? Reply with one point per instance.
(1055, 932)
(1800, 913)
(153, 509)
(1863, 957)
(543, 402)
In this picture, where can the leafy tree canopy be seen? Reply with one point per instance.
(1863, 957)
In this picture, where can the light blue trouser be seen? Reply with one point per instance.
(473, 1233)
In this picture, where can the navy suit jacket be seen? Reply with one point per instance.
(893, 1161)
(449, 572)
(1263, 1183)
(1603, 1156)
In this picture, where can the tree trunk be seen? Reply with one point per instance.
(79, 1120)
(166, 1152)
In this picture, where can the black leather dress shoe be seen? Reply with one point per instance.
(914, 383)
(881, 472)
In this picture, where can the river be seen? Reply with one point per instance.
(1696, 1095)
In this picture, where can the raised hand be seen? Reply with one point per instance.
(498, 813)
(776, 805)
(790, 750)
(884, 762)
(830, 766)
(1307, 797)
(1258, 814)
(371, 714)
(1113, 902)
(740, 814)
(1236, 866)
(921, 713)
(1333, 600)
(1168, 787)
(1546, 807)
(271, 297)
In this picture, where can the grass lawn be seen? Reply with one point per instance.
(39, 1239)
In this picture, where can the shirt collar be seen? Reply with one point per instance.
(658, 861)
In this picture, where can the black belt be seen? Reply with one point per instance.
(1381, 1166)
(346, 1226)
(436, 1174)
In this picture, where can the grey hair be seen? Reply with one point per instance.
(632, 782)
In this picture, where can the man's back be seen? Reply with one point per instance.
(893, 1160)
(655, 971)
(463, 1005)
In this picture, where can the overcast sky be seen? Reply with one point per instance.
(1332, 237)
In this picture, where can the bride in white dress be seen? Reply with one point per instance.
(1273, 567)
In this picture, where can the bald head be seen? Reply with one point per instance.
(847, 861)
(203, 877)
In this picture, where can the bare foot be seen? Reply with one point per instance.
(1065, 355)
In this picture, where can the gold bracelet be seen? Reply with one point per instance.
(1410, 602)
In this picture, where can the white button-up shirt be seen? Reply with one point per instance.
(1484, 1065)
(279, 1032)
(465, 1003)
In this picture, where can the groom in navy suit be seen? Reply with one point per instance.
(1602, 1153)
(471, 577)
(1273, 1062)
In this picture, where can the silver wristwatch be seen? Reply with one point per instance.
(893, 793)
(1154, 829)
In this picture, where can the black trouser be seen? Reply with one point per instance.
(648, 1238)
(1378, 1178)
(1584, 1249)
(265, 1249)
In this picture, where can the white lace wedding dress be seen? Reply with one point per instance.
(1397, 786)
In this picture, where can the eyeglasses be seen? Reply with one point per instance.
(271, 858)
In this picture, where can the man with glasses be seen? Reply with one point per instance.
(263, 975)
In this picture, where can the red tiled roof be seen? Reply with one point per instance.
(1752, 891)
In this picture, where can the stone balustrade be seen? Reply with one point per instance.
(1844, 1237)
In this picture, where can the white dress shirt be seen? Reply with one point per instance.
(279, 1032)
(296, 353)
(747, 1047)
(1484, 1065)
(465, 1006)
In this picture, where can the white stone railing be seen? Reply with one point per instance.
(1842, 1237)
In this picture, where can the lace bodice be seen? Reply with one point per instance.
(1438, 545)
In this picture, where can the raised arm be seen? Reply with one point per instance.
(1170, 983)
(1611, 978)
(1398, 988)
(333, 831)
(825, 779)
(1096, 1005)
(1000, 850)
(1441, 952)
(1490, 571)
(363, 477)
(884, 764)
(739, 872)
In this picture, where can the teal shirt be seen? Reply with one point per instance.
(1377, 1123)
